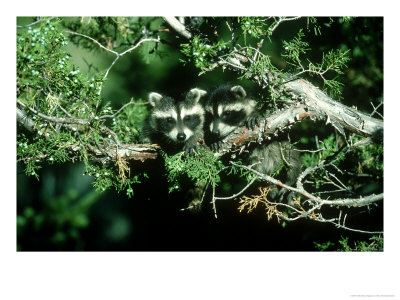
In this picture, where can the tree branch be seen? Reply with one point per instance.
(104, 153)
(356, 202)
(178, 27)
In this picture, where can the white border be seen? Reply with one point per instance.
(198, 275)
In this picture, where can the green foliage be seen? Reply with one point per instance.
(328, 148)
(111, 32)
(242, 173)
(261, 65)
(315, 24)
(199, 168)
(48, 82)
(107, 177)
(332, 65)
(54, 149)
(201, 53)
(373, 244)
(346, 20)
(294, 48)
(66, 215)
(127, 125)
(335, 60)
(204, 50)
(45, 77)
(253, 26)
(368, 159)
(324, 246)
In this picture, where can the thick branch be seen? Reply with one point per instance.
(24, 120)
(339, 115)
(128, 152)
(335, 113)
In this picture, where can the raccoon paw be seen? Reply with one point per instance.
(216, 146)
(253, 121)
(190, 150)
(277, 195)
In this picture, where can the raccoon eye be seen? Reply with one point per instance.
(227, 113)
(187, 118)
(170, 120)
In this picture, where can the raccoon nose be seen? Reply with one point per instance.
(181, 136)
(216, 132)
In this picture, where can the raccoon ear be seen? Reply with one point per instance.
(195, 94)
(154, 98)
(238, 91)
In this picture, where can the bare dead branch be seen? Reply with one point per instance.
(355, 202)
(237, 194)
(339, 115)
(117, 55)
(178, 27)
(121, 109)
(298, 211)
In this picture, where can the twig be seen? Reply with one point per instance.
(65, 121)
(178, 27)
(122, 108)
(55, 120)
(375, 109)
(302, 213)
(93, 40)
(260, 44)
(239, 193)
(356, 202)
(118, 55)
(34, 23)
(309, 151)
(213, 202)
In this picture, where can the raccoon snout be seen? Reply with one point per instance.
(181, 136)
(216, 132)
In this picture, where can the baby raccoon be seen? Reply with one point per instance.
(228, 107)
(175, 125)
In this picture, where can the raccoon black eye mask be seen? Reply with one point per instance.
(175, 125)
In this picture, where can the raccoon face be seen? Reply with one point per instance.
(227, 108)
(177, 121)
(225, 118)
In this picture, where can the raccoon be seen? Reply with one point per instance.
(175, 125)
(228, 107)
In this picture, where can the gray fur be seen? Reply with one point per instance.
(268, 158)
(155, 98)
